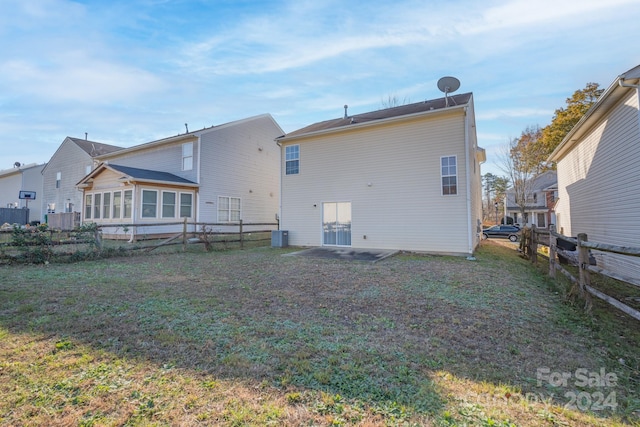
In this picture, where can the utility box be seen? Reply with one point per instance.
(279, 238)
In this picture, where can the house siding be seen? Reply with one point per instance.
(72, 162)
(241, 160)
(391, 175)
(166, 158)
(32, 181)
(599, 192)
(10, 186)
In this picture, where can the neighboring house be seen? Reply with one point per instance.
(222, 174)
(403, 178)
(22, 178)
(72, 160)
(539, 209)
(598, 165)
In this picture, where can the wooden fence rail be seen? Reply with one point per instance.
(201, 232)
(532, 238)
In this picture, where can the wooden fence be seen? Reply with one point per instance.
(195, 232)
(64, 221)
(581, 258)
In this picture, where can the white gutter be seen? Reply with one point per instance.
(622, 83)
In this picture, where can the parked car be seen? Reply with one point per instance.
(510, 232)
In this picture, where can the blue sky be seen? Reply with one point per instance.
(132, 71)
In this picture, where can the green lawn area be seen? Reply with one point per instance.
(251, 337)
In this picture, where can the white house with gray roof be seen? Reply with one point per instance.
(217, 175)
(73, 159)
(404, 178)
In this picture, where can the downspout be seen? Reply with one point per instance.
(468, 192)
(197, 192)
(280, 184)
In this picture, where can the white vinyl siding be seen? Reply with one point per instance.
(391, 174)
(598, 191)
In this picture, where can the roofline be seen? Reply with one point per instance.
(22, 168)
(194, 135)
(171, 183)
(184, 137)
(102, 166)
(372, 123)
(616, 91)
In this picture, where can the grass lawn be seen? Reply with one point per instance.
(254, 338)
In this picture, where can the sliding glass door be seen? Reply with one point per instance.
(336, 224)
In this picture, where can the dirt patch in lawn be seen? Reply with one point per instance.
(346, 254)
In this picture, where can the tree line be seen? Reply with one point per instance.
(526, 156)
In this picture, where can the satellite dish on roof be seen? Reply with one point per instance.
(17, 165)
(448, 85)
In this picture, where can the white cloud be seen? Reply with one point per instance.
(83, 79)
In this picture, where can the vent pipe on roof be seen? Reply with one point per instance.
(186, 126)
(345, 111)
(86, 135)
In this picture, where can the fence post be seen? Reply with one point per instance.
(241, 236)
(583, 263)
(96, 235)
(552, 251)
(533, 245)
(184, 235)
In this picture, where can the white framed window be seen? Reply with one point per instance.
(127, 203)
(186, 205)
(88, 209)
(58, 179)
(149, 203)
(187, 156)
(292, 159)
(168, 204)
(228, 209)
(117, 204)
(449, 175)
(106, 205)
(97, 205)
(87, 170)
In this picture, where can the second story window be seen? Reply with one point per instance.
(292, 159)
(449, 174)
(187, 156)
(58, 179)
